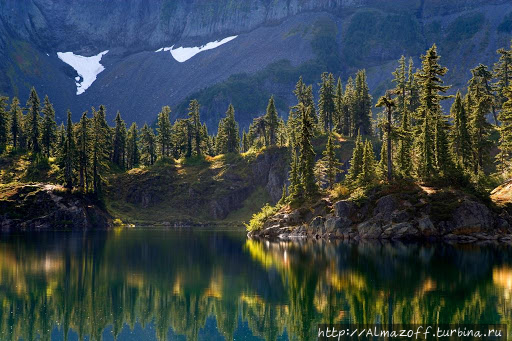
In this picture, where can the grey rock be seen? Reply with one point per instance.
(344, 208)
(337, 223)
(370, 229)
(471, 215)
(426, 227)
(385, 206)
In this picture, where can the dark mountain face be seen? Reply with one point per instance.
(277, 41)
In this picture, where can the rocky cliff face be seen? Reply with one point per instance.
(364, 33)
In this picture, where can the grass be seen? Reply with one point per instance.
(252, 204)
(258, 219)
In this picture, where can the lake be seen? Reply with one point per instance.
(199, 284)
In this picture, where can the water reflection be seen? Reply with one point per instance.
(159, 285)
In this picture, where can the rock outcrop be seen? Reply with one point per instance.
(47, 207)
(447, 214)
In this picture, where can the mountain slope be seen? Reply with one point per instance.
(276, 42)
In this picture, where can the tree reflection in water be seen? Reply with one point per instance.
(195, 284)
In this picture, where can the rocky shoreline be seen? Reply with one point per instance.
(396, 216)
(39, 207)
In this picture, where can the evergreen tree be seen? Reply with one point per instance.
(386, 101)
(429, 110)
(480, 86)
(193, 113)
(404, 162)
(460, 138)
(272, 121)
(16, 117)
(33, 105)
(400, 81)
(356, 163)
(367, 174)
(228, 136)
(330, 158)
(503, 74)
(349, 98)
(382, 166)
(307, 154)
(69, 153)
(245, 142)
(119, 153)
(442, 157)
(48, 127)
(100, 137)
(326, 106)
(342, 115)
(164, 131)
(83, 145)
(132, 147)
(504, 156)
(295, 188)
(363, 103)
(413, 90)
(4, 130)
(148, 145)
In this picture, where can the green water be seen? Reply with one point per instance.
(205, 285)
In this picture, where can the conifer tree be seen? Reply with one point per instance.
(83, 146)
(400, 81)
(100, 148)
(326, 106)
(404, 162)
(480, 86)
(330, 158)
(460, 139)
(367, 174)
(413, 98)
(132, 146)
(48, 127)
(504, 156)
(245, 142)
(503, 75)
(193, 113)
(356, 163)
(33, 105)
(386, 101)
(272, 121)
(164, 131)
(442, 156)
(342, 116)
(119, 153)
(228, 137)
(69, 153)
(307, 154)
(382, 166)
(295, 189)
(363, 103)
(429, 110)
(148, 145)
(284, 197)
(16, 117)
(4, 130)
(349, 98)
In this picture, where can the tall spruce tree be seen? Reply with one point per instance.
(460, 139)
(272, 122)
(34, 121)
(228, 136)
(504, 156)
(148, 145)
(193, 113)
(16, 120)
(164, 131)
(83, 147)
(132, 146)
(4, 129)
(356, 162)
(367, 175)
(100, 136)
(48, 127)
(342, 115)
(503, 75)
(330, 159)
(119, 153)
(363, 104)
(413, 89)
(69, 153)
(429, 79)
(389, 104)
(307, 153)
(295, 189)
(400, 80)
(326, 106)
(442, 155)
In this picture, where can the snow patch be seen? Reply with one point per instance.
(88, 68)
(182, 54)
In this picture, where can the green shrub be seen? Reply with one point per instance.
(258, 219)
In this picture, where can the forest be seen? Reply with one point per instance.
(405, 135)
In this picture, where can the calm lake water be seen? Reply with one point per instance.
(213, 285)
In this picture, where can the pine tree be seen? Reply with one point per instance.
(295, 188)
(342, 116)
(34, 119)
(367, 174)
(413, 98)
(504, 156)
(356, 163)
(119, 153)
(132, 146)
(363, 103)
(349, 98)
(460, 139)
(326, 107)
(193, 113)
(272, 121)
(400, 86)
(382, 167)
(4, 130)
(404, 162)
(503, 75)
(48, 127)
(284, 197)
(442, 156)
(429, 110)
(83, 145)
(69, 153)
(100, 137)
(164, 131)
(245, 142)
(480, 86)
(228, 136)
(16, 117)
(386, 101)
(148, 145)
(307, 154)
(330, 158)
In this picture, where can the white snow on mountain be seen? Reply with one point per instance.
(88, 68)
(182, 54)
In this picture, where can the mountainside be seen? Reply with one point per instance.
(276, 41)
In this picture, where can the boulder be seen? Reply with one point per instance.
(370, 229)
(426, 227)
(472, 216)
(385, 206)
(344, 208)
(399, 231)
(317, 225)
(337, 223)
